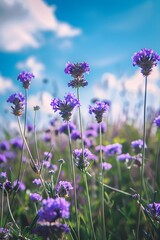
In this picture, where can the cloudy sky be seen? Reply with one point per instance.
(41, 36)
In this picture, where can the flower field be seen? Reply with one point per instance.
(78, 179)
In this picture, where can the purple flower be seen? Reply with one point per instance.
(157, 121)
(2, 158)
(137, 145)
(64, 128)
(75, 135)
(4, 146)
(4, 233)
(65, 107)
(53, 209)
(91, 133)
(77, 70)
(145, 59)
(18, 100)
(35, 197)
(19, 185)
(113, 149)
(3, 176)
(30, 128)
(25, 78)
(125, 157)
(63, 188)
(83, 159)
(37, 181)
(153, 209)
(106, 166)
(16, 143)
(99, 109)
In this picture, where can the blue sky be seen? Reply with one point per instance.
(41, 36)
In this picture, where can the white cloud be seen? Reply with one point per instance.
(6, 84)
(31, 64)
(22, 23)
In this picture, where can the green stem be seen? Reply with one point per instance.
(102, 187)
(2, 209)
(74, 180)
(31, 157)
(59, 172)
(80, 121)
(143, 157)
(11, 212)
(35, 138)
(89, 205)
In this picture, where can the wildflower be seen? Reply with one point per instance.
(8, 186)
(25, 78)
(91, 133)
(4, 146)
(53, 209)
(83, 159)
(153, 209)
(4, 233)
(77, 70)
(16, 143)
(35, 197)
(113, 149)
(157, 121)
(18, 100)
(106, 166)
(65, 107)
(2, 158)
(19, 185)
(63, 188)
(37, 181)
(145, 59)
(30, 128)
(64, 128)
(125, 157)
(137, 145)
(3, 176)
(99, 109)
(75, 135)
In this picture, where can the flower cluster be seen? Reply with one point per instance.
(25, 78)
(65, 107)
(157, 121)
(77, 70)
(18, 100)
(153, 209)
(145, 59)
(113, 149)
(137, 145)
(99, 109)
(63, 188)
(53, 209)
(83, 159)
(4, 233)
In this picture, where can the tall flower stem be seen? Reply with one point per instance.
(2, 205)
(35, 138)
(80, 121)
(31, 157)
(74, 181)
(102, 186)
(84, 175)
(11, 212)
(142, 183)
(89, 205)
(24, 132)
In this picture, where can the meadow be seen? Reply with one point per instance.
(78, 179)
